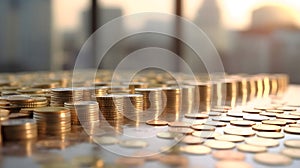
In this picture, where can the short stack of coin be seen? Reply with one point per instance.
(89, 93)
(52, 120)
(84, 112)
(154, 102)
(133, 85)
(26, 101)
(172, 109)
(61, 95)
(19, 129)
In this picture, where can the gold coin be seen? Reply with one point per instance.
(264, 108)
(294, 125)
(251, 148)
(179, 124)
(274, 122)
(195, 149)
(181, 130)
(215, 123)
(262, 142)
(196, 115)
(205, 134)
(296, 113)
(232, 164)
(265, 127)
(225, 118)
(293, 143)
(274, 159)
(287, 121)
(167, 135)
(274, 135)
(174, 160)
(157, 122)
(203, 127)
(239, 131)
(189, 139)
(230, 138)
(235, 114)
(255, 117)
(287, 116)
(291, 152)
(228, 155)
(287, 108)
(221, 110)
(275, 111)
(268, 114)
(252, 111)
(4, 112)
(129, 161)
(216, 144)
(292, 130)
(106, 140)
(170, 149)
(133, 143)
(243, 123)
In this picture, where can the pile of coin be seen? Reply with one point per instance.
(19, 129)
(154, 102)
(84, 112)
(61, 95)
(52, 120)
(173, 103)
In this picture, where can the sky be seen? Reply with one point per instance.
(236, 14)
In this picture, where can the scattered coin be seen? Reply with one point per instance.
(239, 131)
(277, 159)
(296, 113)
(262, 142)
(230, 138)
(232, 164)
(195, 149)
(196, 115)
(205, 134)
(216, 123)
(252, 111)
(243, 123)
(287, 121)
(157, 122)
(294, 125)
(133, 143)
(287, 108)
(274, 122)
(273, 135)
(228, 155)
(234, 114)
(189, 139)
(292, 130)
(251, 148)
(167, 135)
(265, 127)
(221, 110)
(287, 116)
(216, 144)
(225, 119)
(268, 114)
(254, 117)
(179, 124)
(293, 143)
(275, 111)
(52, 144)
(181, 130)
(291, 152)
(147, 155)
(203, 127)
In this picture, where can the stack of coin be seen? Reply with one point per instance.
(154, 102)
(188, 99)
(282, 82)
(19, 129)
(173, 103)
(134, 85)
(118, 89)
(84, 112)
(132, 107)
(203, 95)
(273, 84)
(52, 120)
(26, 101)
(61, 95)
(89, 93)
(259, 86)
(231, 92)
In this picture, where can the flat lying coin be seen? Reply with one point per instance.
(216, 144)
(251, 148)
(275, 111)
(196, 115)
(254, 117)
(189, 139)
(292, 130)
(252, 111)
(267, 128)
(243, 123)
(228, 155)
(274, 122)
(293, 143)
(274, 159)
(147, 155)
(195, 149)
(287, 108)
(273, 135)
(106, 140)
(203, 127)
(181, 130)
(262, 142)
(290, 152)
(179, 124)
(296, 113)
(215, 123)
(167, 135)
(205, 134)
(133, 143)
(268, 114)
(157, 122)
(287, 121)
(294, 125)
(287, 116)
(226, 118)
(239, 131)
(230, 138)
(232, 164)
(233, 114)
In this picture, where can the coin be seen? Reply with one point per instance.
(195, 149)
(189, 139)
(228, 155)
(87, 161)
(267, 128)
(294, 125)
(205, 134)
(181, 130)
(203, 127)
(251, 148)
(297, 113)
(274, 135)
(225, 118)
(277, 159)
(232, 164)
(106, 140)
(52, 144)
(274, 122)
(287, 121)
(230, 138)
(251, 111)
(216, 144)
(215, 123)
(235, 114)
(133, 143)
(167, 135)
(287, 108)
(292, 130)
(196, 115)
(243, 123)
(293, 143)
(287, 116)
(179, 124)
(254, 117)
(275, 111)
(239, 131)
(157, 122)
(257, 141)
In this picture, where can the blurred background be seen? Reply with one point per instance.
(251, 36)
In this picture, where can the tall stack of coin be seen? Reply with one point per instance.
(19, 129)
(52, 120)
(188, 99)
(84, 112)
(230, 86)
(61, 95)
(89, 93)
(203, 95)
(132, 106)
(273, 85)
(251, 88)
(154, 102)
(173, 103)
(283, 81)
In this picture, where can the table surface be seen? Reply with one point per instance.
(16, 155)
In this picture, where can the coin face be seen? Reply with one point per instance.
(232, 164)
(228, 155)
(277, 159)
(157, 122)
(252, 111)
(273, 135)
(230, 138)
(291, 152)
(133, 143)
(288, 116)
(254, 117)
(215, 123)
(265, 127)
(243, 123)
(294, 125)
(293, 143)
(206, 134)
(189, 139)
(274, 122)
(203, 127)
(262, 142)
(195, 149)
(292, 130)
(251, 148)
(216, 144)
(239, 131)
